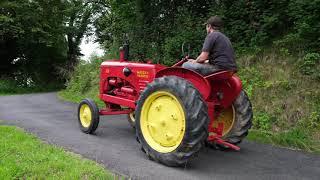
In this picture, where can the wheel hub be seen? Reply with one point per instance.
(85, 115)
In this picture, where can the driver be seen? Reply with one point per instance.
(217, 52)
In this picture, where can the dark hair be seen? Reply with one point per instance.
(215, 22)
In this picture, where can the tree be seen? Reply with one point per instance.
(80, 16)
(31, 36)
(40, 37)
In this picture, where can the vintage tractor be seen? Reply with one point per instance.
(175, 111)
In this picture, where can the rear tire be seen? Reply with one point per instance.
(195, 117)
(242, 122)
(88, 116)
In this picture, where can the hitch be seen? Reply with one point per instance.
(218, 140)
(216, 137)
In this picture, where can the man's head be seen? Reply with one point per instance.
(214, 23)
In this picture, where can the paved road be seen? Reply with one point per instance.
(115, 147)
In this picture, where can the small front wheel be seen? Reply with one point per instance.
(131, 119)
(88, 116)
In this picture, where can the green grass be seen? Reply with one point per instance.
(297, 139)
(76, 97)
(23, 156)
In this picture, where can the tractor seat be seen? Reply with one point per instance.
(220, 75)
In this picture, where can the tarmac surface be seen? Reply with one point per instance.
(114, 146)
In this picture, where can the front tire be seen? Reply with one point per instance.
(131, 119)
(171, 121)
(88, 116)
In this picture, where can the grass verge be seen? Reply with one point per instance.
(296, 139)
(23, 156)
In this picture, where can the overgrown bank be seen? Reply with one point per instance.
(285, 98)
(285, 94)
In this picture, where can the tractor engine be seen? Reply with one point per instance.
(125, 80)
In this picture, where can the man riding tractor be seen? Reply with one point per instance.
(217, 52)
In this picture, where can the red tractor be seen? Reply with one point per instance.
(175, 111)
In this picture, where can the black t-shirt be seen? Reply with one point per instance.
(220, 51)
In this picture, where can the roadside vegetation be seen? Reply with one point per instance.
(84, 82)
(284, 91)
(23, 156)
(9, 86)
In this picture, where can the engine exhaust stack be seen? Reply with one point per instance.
(124, 50)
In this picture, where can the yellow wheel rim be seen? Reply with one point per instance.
(227, 117)
(85, 115)
(162, 121)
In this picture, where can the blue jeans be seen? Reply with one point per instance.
(201, 68)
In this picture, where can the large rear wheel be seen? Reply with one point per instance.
(171, 121)
(237, 120)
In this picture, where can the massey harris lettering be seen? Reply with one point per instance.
(143, 74)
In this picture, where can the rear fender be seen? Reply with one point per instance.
(198, 81)
(228, 88)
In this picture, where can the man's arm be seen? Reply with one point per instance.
(202, 57)
(207, 46)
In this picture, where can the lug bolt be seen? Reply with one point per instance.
(158, 107)
(169, 136)
(174, 117)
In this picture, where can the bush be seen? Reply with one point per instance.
(262, 121)
(310, 65)
(11, 86)
(84, 82)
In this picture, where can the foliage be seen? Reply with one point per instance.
(251, 79)
(80, 15)
(39, 39)
(310, 65)
(23, 156)
(31, 36)
(285, 102)
(84, 82)
(263, 121)
(305, 16)
(157, 29)
(11, 86)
